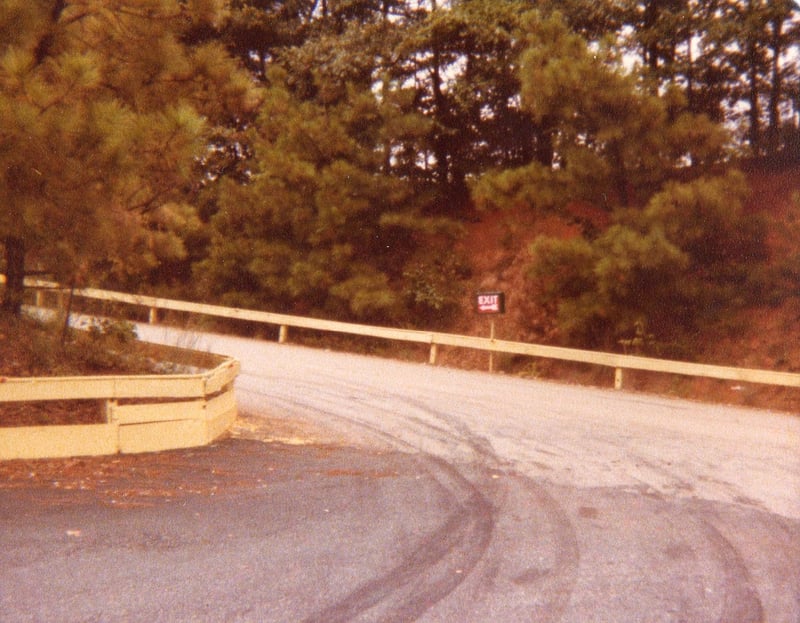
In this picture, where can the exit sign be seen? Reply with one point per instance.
(490, 302)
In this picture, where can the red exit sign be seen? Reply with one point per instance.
(490, 302)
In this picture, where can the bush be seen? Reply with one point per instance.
(434, 289)
(104, 345)
(689, 257)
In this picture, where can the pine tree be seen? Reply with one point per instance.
(320, 227)
(607, 139)
(688, 258)
(678, 245)
(106, 109)
(727, 56)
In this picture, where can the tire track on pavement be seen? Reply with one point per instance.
(438, 562)
(433, 568)
(638, 517)
(507, 495)
(741, 601)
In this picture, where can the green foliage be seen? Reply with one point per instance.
(367, 295)
(321, 227)
(688, 258)
(102, 345)
(707, 220)
(435, 288)
(106, 112)
(135, 149)
(111, 333)
(604, 136)
(740, 73)
(463, 60)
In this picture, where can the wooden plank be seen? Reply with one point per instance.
(220, 404)
(41, 442)
(56, 388)
(615, 360)
(221, 376)
(158, 412)
(220, 415)
(158, 436)
(100, 387)
(164, 386)
(250, 315)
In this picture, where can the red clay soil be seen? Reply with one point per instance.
(765, 337)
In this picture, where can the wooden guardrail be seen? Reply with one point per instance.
(620, 362)
(144, 413)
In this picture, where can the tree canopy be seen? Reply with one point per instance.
(105, 108)
(312, 156)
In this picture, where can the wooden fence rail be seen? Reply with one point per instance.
(620, 362)
(143, 413)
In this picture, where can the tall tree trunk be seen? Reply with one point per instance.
(440, 141)
(754, 132)
(776, 89)
(544, 149)
(15, 274)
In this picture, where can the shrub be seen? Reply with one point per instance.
(434, 288)
(690, 256)
(104, 345)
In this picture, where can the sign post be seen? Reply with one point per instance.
(490, 303)
(491, 352)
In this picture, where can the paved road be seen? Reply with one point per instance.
(443, 495)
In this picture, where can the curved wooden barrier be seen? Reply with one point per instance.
(144, 413)
(618, 361)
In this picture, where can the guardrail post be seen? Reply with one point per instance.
(432, 356)
(283, 334)
(618, 378)
(39, 299)
(152, 318)
(109, 407)
(491, 352)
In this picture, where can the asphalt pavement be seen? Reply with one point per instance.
(238, 531)
(360, 489)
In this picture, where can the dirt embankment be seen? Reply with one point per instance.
(765, 336)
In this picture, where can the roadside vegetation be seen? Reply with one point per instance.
(380, 161)
(30, 348)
